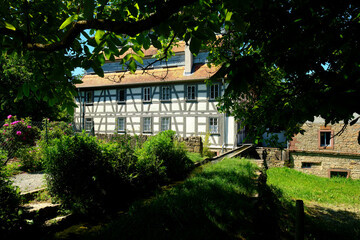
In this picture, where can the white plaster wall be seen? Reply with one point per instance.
(202, 129)
(108, 109)
(190, 124)
(154, 107)
(202, 106)
(135, 120)
(202, 96)
(175, 106)
(130, 108)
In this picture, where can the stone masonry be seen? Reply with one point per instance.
(341, 156)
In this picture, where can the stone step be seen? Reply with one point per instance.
(39, 212)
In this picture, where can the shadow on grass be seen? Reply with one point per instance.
(327, 223)
(218, 203)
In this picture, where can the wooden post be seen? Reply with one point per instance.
(299, 224)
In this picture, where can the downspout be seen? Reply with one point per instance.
(80, 107)
(225, 125)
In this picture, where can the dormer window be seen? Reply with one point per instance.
(214, 91)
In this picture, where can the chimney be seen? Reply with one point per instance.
(188, 60)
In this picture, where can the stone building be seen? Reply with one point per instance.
(325, 151)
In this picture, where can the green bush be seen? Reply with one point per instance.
(10, 211)
(87, 175)
(31, 159)
(54, 130)
(163, 157)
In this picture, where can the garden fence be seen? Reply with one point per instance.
(19, 136)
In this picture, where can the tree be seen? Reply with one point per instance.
(285, 60)
(17, 73)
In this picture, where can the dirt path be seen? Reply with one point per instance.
(29, 181)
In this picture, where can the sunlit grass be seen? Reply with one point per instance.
(216, 203)
(303, 186)
(195, 157)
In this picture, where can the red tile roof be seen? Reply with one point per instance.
(162, 75)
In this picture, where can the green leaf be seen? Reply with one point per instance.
(97, 69)
(132, 66)
(138, 59)
(99, 35)
(26, 89)
(101, 58)
(89, 6)
(195, 45)
(228, 16)
(155, 42)
(68, 21)
(123, 50)
(9, 26)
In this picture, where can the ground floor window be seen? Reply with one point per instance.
(165, 123)
(121, 124)
(339, 173)
(214, 125)
(88, 124)
(147, 124)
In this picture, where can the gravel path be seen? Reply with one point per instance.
(29, 181)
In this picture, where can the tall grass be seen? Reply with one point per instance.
(295, 184)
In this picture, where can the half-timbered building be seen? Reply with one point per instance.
(169, 95)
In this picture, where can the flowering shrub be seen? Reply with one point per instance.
(16, 134)
(55, 130)
(31, 159)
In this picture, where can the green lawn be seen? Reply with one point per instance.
(297, 185)
(331, 205)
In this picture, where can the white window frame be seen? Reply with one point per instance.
(147, 94)
(165, 93)
(165, 123)
(191, 92)
(214, 126)
(118, 95)
(88, 124)
(147, 124)
(123, 129)
(214, 91)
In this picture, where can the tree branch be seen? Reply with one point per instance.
(119, 27)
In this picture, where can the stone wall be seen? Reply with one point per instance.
(274, 156)
(320, 164)
(343, 155)
(193, 144)
(347, 142)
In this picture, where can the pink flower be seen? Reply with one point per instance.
(69, 124)
(28, 126)
(10, 116)
(6, 125)
(18, 133)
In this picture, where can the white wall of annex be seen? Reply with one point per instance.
(190, 124)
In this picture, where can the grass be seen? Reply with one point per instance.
(216, 203)
(331, 205)
(195, 157)
(297, 185)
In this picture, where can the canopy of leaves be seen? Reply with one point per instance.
(285, 60)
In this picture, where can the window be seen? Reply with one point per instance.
(306, 165)
(89, 97)
(214, 125)
(121, 95)
(326, 140)
(339, 173)
(214, 91)
(165, 93)
(147, 94)
(147, 124)
(88, 124)
(121, 124)
(191, 92)
(165, 123)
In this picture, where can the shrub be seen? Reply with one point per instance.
(87, 175)
(163, 157)
(31, 159)
(10, 211)
(206, 150)
(54, 130)
(17, 134)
